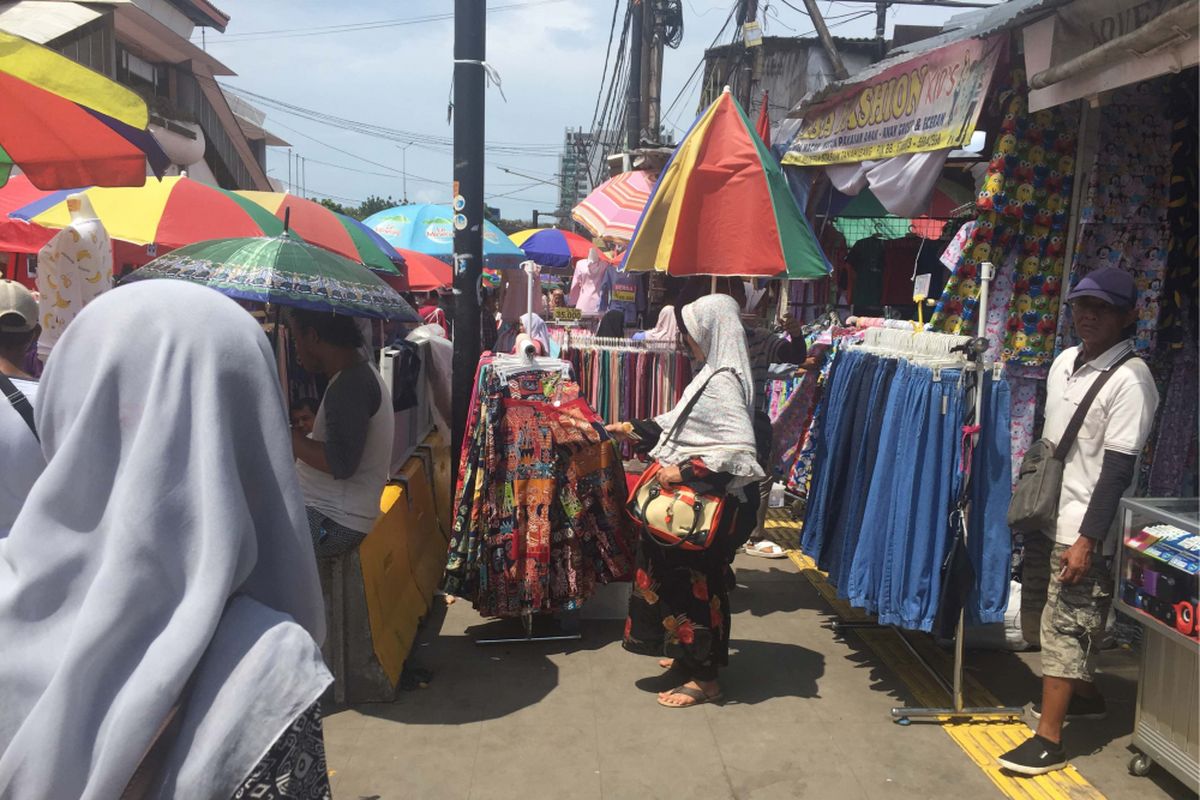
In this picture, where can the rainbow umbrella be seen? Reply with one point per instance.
(429, 228)
(552, 247)
(65, 125)
(722, 207)
(613, 208)
(169, 213)
(316, 224)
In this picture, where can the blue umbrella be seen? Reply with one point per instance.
(429, 228)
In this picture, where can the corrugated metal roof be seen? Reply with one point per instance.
(970, 25)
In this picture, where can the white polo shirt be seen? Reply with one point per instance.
(1119, 419)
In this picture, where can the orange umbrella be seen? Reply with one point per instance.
(426, 273)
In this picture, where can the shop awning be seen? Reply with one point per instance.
(926, 102)
(41, 22)
(1094, 46)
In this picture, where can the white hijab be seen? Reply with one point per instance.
(535, 326)
(162, 558)
(719, 429)
(666, 329)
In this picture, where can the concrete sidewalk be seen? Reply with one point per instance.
(806, 716)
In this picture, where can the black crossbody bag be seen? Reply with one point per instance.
(20, 402)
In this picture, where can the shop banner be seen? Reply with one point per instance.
(929, 102)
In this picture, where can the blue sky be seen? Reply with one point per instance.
(549, 56)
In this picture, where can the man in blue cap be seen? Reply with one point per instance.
(1067, 581)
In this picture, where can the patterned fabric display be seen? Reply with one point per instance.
(539, 510)
(1179, 295)
(1123, 222)
(1023, 210)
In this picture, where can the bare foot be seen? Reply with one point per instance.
(711, 690)
(666, 663)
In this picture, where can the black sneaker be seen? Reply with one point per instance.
(1080, 708)
(1036, 756)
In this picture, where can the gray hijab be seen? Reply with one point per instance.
(161, 560)
(719, 429)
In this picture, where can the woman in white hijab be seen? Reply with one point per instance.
(680, 602)
(159, 603)
(665, 330)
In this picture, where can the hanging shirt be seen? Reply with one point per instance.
(628, 295)
(591, 286)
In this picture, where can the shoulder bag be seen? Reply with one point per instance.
(680, 516)
(19, 402)
(1034, 504)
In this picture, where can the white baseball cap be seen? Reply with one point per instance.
(18, 308)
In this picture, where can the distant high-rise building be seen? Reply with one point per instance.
(582, 160)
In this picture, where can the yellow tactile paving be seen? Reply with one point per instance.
(983, 742)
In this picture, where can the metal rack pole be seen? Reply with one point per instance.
(527, 621)
(958, 708)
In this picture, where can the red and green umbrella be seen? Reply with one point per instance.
(65, 125)
(722, 207)
(323, 227)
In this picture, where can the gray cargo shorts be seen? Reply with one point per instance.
(1067, 621)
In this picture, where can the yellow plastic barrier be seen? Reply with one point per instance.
(402, 562)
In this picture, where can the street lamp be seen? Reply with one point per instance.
(404, 167)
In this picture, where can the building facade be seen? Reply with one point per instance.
(147, 46)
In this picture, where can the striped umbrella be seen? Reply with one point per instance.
(316, 224)
(65, 125)
(169, 213)
(613, 208)
(552, 247)
(723, 207)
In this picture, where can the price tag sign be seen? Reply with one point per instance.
(568, 314)
(624, 295)
(921, 287)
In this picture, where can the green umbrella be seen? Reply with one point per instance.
(285, 271)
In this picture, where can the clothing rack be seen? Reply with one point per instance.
(932, 346)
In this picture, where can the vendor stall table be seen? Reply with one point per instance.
(1157, 565)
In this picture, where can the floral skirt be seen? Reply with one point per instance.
(679, 606)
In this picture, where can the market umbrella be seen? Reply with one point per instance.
(316, 224)
(65, 125)
(552, 247)
(425, 273)
(722, 207)
(285, 271)
(18, 235)
(613, 208)
(429, 228)
(170, 213)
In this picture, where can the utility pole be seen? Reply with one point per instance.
(880, 27)
(656, 33)
(470, 47)
(835, 58)
(290, 188)
(746, 87)
(633, 103)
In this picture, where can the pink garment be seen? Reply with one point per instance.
(590, 284)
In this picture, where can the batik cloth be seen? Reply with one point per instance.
(294, 768)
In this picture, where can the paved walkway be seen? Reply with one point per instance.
(807, 715)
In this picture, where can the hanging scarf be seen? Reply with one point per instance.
(162, 559)
(719, 428)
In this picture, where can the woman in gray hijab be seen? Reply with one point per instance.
(159, 603)
(679, 608)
